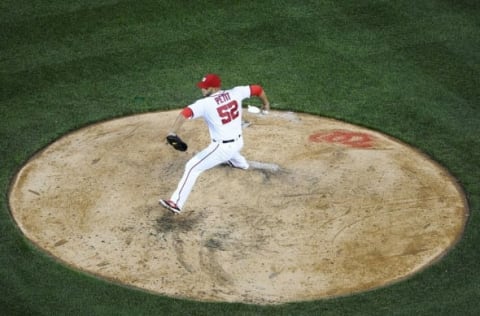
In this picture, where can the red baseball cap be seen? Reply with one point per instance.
(210, 81)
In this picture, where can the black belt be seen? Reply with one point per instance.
(228, 140)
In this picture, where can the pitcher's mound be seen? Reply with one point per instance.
(327, 209)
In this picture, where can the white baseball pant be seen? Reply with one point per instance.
(216, 153)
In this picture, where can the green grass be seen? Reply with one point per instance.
(408, 69)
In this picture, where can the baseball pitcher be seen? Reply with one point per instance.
(222, 111)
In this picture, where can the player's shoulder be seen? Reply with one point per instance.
(203, 100)
(199, 104)
(240, 89)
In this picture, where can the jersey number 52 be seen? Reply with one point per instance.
(228, 112)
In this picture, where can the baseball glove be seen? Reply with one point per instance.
(177, 142)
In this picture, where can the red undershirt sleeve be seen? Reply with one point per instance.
(255, 90)
(187, 113)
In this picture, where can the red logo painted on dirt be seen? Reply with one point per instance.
(347, 138)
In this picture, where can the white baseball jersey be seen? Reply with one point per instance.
(222, 111)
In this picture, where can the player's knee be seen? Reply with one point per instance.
(243, 165)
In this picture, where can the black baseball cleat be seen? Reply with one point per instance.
(171, 206)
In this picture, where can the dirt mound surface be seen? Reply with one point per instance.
(327, 209)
